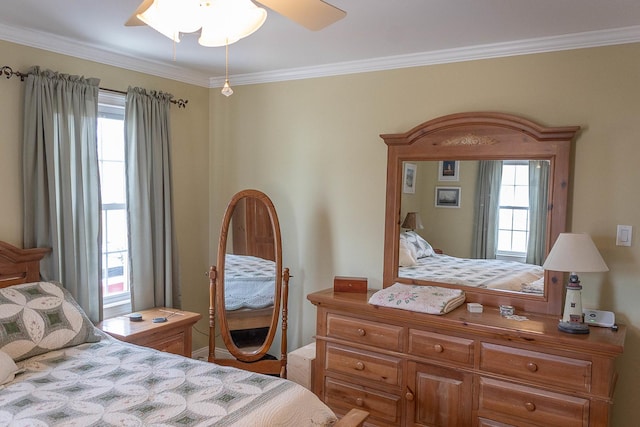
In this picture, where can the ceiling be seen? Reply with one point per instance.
(375, 35)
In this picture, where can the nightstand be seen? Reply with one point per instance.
(172, 336)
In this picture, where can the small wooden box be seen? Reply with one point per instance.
(350, 284)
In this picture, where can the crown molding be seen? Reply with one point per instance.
(471, 53)
(66, 46)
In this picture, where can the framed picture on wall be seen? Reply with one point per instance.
(449, 170)
(409, 181)
(447, 197)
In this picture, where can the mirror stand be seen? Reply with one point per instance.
(248, 289)
(263, 365)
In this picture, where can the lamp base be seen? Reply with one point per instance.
(573, 327)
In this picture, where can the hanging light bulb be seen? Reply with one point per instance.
(226, 89)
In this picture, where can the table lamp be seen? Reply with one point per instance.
(412, 221)
(573, 253)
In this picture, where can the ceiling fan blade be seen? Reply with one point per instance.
(134, 20)
(312, 14)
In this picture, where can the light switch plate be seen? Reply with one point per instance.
(623, 235)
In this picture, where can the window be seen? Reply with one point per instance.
(513, 219)
(115, 256)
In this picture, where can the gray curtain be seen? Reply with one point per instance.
(61, 181)
(152, 251)
(538, 195)
(485, 238)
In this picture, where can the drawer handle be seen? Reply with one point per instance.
(360, 402)
(530, 406)
(362, 332)
(359, 366)
(532, 367)
(409, 396)
(438, 348)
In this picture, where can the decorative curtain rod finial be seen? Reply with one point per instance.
(8, 71)
(181, 103)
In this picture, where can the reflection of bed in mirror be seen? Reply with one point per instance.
(418, 260)
(249, 290)
(477, 273)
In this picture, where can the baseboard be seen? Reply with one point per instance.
(203, 353)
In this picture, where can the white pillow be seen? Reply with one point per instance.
(8, 368)
(407, 255)
(39, 317)
(422, 247)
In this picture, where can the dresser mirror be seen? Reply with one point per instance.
(248, 287)
(451, 171)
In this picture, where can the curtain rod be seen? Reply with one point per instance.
(8, 72)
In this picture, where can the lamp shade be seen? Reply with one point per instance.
(575, 253)
(222, 22)
(172, 17)
(412, 221)
(227, 21)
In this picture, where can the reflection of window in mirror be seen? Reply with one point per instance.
(513, 216)
(511, 210)
(519, 189)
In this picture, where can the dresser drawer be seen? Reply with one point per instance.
(483, 422)
(531, 404)
(440, 347)
(380, 405)
(170, 344)
(172, 341)
(359, 331)
(364, 365)
(539, 367)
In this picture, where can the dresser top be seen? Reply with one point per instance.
(124, 329)
(540, 328)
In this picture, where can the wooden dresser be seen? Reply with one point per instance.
(460, 369)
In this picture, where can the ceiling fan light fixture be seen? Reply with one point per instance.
(156, 21)
(227, 21)
(172, 17)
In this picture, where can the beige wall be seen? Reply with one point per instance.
(448, 229)
(314, 147)
(190, 152)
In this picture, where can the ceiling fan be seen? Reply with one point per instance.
(312, 14)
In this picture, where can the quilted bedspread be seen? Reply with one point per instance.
(249, 282)
(481, 273)
(111, 383)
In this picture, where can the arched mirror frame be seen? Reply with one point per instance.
(482, 136)
(249, 360)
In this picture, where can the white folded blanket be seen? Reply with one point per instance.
(424, 299)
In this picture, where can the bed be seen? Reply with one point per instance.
(58, 369)
(249, 284)
(423, 263)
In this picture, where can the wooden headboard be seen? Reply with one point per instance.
(19, 265)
